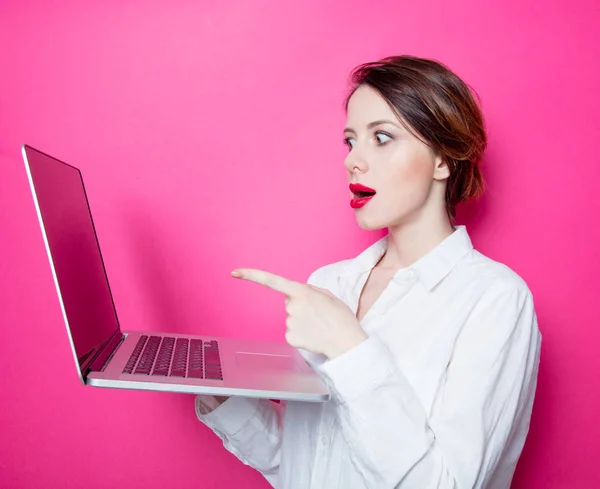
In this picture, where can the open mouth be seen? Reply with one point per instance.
(361, 192)
(362, 195)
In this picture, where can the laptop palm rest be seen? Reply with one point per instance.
(264, 361)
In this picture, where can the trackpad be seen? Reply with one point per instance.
(263, 361)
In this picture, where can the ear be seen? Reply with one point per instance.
(441, 170)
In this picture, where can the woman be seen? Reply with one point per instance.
(430, 349)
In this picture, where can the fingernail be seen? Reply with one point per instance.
(235, 273)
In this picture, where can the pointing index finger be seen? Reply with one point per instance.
(275, 282)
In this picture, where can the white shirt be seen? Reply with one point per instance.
(438, 396)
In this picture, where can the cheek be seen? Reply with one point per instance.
(413, 174)
(416, 171)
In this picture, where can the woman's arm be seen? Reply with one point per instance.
(249, 428)
(488, 384)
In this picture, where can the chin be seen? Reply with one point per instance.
(370, 225)
(370, 221)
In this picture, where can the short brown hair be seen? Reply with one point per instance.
(440, 109)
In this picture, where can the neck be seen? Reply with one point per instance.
(410, 240)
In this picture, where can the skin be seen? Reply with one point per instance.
(409, 178)
(410, 181)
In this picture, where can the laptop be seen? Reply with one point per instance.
(106, 355)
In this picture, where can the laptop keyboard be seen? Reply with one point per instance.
(175, 357)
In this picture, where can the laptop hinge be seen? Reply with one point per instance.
(103, 354)
(112, 353)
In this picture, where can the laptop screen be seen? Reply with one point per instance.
(74, 252)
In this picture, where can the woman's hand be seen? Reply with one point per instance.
(317, 320)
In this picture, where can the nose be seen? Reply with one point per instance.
(355, 161)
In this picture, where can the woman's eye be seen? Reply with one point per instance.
(349, 142)
(382, 138)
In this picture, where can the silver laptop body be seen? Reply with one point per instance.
(105, 355)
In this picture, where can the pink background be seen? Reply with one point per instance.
(209, 136)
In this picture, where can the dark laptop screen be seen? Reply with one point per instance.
(74, 250)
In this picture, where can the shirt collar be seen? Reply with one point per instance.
(429, 269)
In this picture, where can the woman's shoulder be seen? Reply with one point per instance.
(503, 295)
(500, 274)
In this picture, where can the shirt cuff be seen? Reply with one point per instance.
(359, 370)
(230, 416)
(206, 404)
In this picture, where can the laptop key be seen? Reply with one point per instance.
(147, 360)
(195, 367)
(180, 357)
(165, 354)
(135, 355)
(212, 361)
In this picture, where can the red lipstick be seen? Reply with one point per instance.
(362, 195)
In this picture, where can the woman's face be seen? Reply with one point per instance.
(387, 158)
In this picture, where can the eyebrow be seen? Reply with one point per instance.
(371, 125)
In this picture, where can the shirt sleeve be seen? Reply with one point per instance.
(249, 428)
(485, 390)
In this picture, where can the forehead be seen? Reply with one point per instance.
(366, 105)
